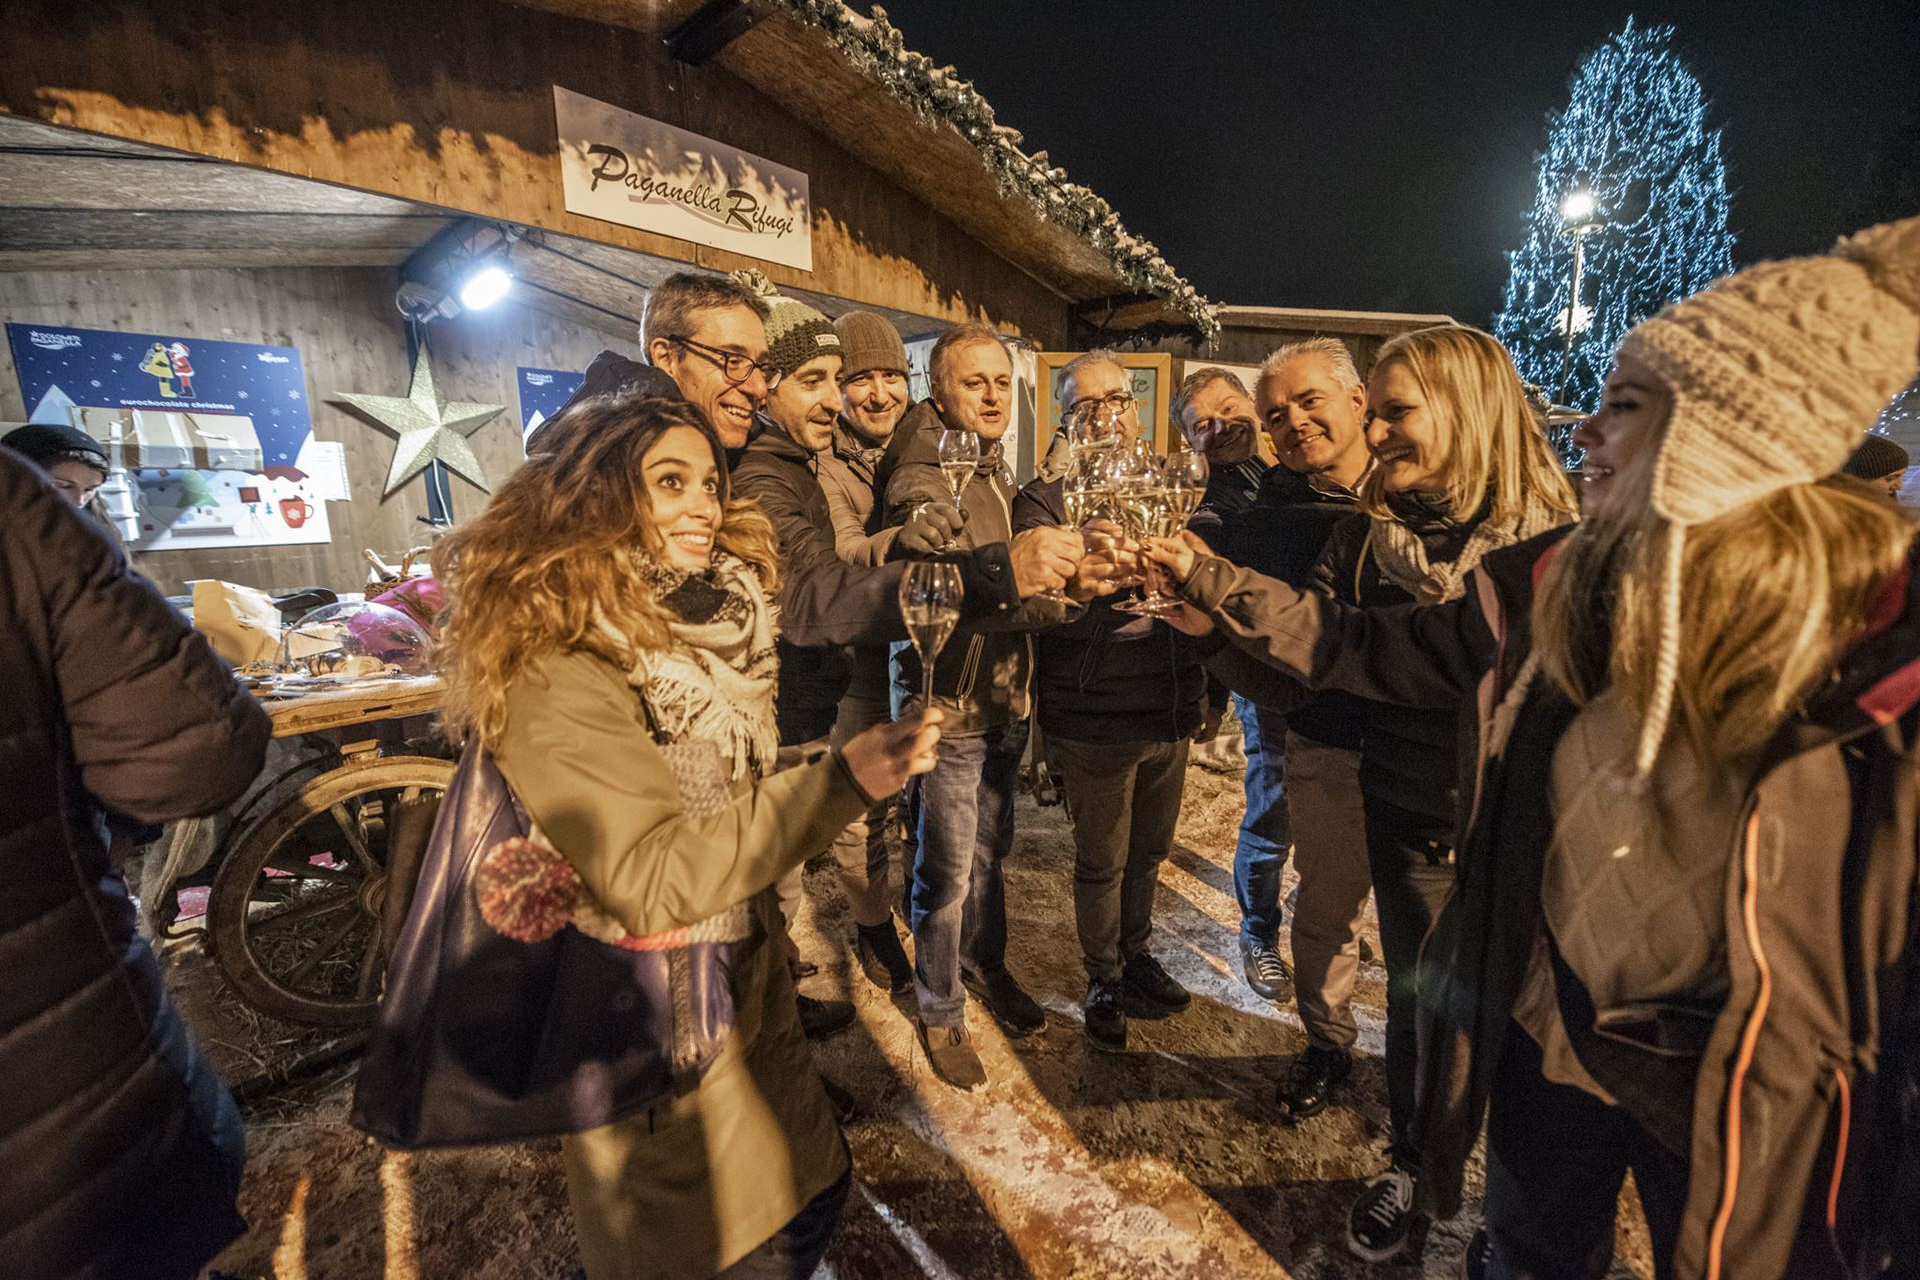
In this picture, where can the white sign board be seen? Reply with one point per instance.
(620, 167)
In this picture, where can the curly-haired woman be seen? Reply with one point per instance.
(612, 599)
(1682, 938)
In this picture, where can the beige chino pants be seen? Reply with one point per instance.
(1330, 857)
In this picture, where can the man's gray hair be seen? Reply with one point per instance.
(673, 302)
(1196, 382)
(961, 335)
(1339, 359)
(1070, 375)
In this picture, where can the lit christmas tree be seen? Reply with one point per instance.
(1633, 185)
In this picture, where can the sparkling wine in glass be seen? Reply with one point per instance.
(1183, 484)
(930, 596)
(959, 459)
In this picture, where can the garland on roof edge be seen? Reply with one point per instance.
(937, 95)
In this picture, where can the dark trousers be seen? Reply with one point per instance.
(959, 916)
(1410, 858)
(1556, 1157)
(796, 1249)
(1125, 802)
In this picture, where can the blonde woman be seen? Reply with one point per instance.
(1683, 935)
(1461, 468)
(610, 603)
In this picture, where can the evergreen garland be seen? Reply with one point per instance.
(937, 95)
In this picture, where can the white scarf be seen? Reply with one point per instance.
(717, 680)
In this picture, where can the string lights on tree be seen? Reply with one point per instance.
(1631, 209)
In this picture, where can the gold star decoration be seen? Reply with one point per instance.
(429, 429)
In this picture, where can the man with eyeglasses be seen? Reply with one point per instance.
(1120, 698)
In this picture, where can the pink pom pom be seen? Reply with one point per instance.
(525, 889)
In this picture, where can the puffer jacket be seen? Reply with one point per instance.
(981, 678)
(1804, 1155)
(121, 1149)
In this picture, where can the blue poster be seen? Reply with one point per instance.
(543, 393)
(213, 440)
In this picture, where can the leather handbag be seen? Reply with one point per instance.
(484, 1036)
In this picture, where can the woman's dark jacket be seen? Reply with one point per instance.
(1817, 1051)
(1408, 756)
(119, 1149)
(1108, 676)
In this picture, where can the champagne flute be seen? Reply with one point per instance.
(959, 453)
(930, 595)
(1183, 485)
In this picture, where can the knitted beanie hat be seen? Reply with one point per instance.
(1877, 456)
(45, 443)
(796, 333)
(1776, 372)
(869, 341)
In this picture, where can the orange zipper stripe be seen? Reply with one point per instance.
(1840, 1149)
(1749, 1038)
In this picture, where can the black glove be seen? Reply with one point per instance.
(931, 528)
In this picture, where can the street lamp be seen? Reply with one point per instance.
(1580, 212)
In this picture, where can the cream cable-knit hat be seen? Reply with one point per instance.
(1776, 374)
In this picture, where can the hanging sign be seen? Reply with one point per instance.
(215, 437)
(543, 393)
(639, 172)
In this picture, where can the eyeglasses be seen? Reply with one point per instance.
(733, 366)
(1118, 401)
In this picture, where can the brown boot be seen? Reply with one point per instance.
(950, 1050)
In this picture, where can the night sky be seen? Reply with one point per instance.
(1381, 156)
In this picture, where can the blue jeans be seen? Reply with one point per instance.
(1265, 833)
(965, 818)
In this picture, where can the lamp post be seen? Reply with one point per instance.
(1580, 211)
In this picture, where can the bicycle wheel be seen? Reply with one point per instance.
(299, 916)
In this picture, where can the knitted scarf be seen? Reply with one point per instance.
(1402, 555)
(716, 681)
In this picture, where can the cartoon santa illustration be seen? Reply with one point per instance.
(182, 367)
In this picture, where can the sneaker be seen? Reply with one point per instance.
(950, 1050)
(1311, 1079)
(1479, 1255)
(1150, 991)
(1382, 1219)
(1266, 972)
(1106, 1016)
(1018, 1013)
(822, 1018)
(882, 958)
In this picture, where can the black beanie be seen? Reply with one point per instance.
(1877, 456)
(45, 443)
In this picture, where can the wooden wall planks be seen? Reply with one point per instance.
(350, 339)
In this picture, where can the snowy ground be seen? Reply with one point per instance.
(1168, 1161)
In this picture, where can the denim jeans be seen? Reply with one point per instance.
(959, 917)
(1265, 833)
